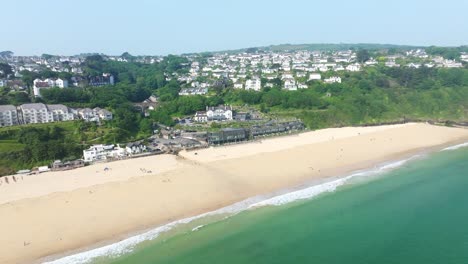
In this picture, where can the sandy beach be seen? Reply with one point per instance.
(55, 212)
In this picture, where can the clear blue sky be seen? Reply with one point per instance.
(155, 27)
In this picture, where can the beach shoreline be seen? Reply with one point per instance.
(207, 167)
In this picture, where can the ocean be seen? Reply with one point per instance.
(409, 211)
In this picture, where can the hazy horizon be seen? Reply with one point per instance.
(159, 28)
(214, 51)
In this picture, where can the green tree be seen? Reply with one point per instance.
(362, 55)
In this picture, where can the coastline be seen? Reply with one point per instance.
(199, 178)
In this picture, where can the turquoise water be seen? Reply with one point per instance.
(414, 214)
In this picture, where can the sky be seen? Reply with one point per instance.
(156, 27)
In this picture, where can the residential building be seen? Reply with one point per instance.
(253, 84)
(39, 84)
(94, 115)
(238, 85)
(97, 152)
(315, 76)
(103, 114)
(391, 64)
(290, 85)
(200, 116)
(193, 91)
(333, 79)
(219, 113)
(452, 64)
(464, 57)
(353, 67)
(35, 113)
(135, 148)
(8, 115)
(87, 114)
(60, 113)
(105, 79)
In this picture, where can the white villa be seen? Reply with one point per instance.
(222, 112)
(218, 113)
(103, 152)
(39, 84)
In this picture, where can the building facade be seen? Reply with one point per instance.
(253, 84)
(220, 113)
(8, 115)
(60, 113)
(39, 84)
(35, 114)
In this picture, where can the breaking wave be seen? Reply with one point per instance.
(456, 146)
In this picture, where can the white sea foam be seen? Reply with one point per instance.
(197, 228)
(326, 187)
(456, 146)
(126, 246)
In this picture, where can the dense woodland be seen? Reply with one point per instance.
(377, 94)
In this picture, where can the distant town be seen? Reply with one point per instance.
(243, 70)
(141, 105)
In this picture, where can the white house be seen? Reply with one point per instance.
(87, 114)
(353, 67)
(103, 114)
(238, 85)
(39, 84)
(135, 148)
(323, 68)
(253, 84)
(102, 152)
(338, 67)
(371, 62)
(452, 64)
(94, 115)
(290, 85)
(464, 57)
(333, 79)
(200, 116)
(315, 76)
(193, 91)
(222, 112)
(391, 64)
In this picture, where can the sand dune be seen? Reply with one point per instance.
(56, 212)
